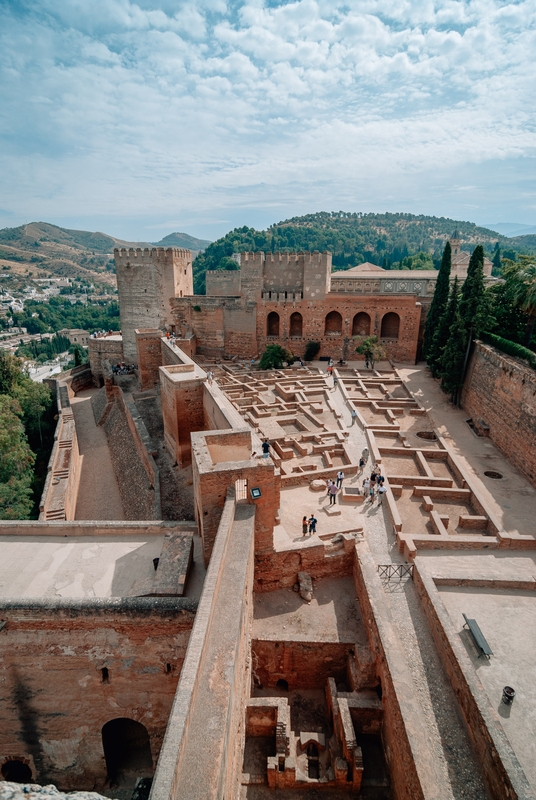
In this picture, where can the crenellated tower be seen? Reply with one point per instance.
(147, 279)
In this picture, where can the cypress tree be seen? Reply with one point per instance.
(442, 331)
(473, 290)
(497, 267)
(453, 358)
(439, 301)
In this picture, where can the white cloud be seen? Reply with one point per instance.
(116, 107)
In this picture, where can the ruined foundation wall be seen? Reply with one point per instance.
(201, 755)
(134, 465)
(500, 392)
(54, 702)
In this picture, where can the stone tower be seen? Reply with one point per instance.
(455, 243)
(146, 281)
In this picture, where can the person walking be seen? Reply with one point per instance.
(361, 467)
(372, 493)
(366, 488)
(381, 491)
(304, 526)
(265, 448)
(312, 524)
(366, 363)
(332, 491)
(335, 382)
(353, 414)
(340, 478)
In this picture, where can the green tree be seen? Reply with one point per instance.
(274, 356)
(439, 302)
(442, 331)
(522, 275)
(453, 358)
(16, 462)
(311, 351)
(475, 308)
(8, 372)
(371, 349)
(496, 261)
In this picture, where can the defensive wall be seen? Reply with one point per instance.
(105, 347)
(499, 394)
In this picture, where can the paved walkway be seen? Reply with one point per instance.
(512, 499)
(446, 731)
(98, 497)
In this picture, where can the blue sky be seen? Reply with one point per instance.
(143, 118)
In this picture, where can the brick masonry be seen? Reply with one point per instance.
(500, 392)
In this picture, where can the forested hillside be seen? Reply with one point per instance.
(384, 239)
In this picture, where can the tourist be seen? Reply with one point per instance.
(304, 526)
(372, 493)
(361, 466)
(210, 375)
(340, 478)
(366, 363)
(372, 478)
(312, 524)
(366, 487)
(265, 448)
(332, 491)
(252, 363)
(353, 414)
(381, 491)
(329, 369)
(335, 382)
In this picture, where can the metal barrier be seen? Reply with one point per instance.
(395, 571)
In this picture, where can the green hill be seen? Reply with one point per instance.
(183, 240)
(352, 238)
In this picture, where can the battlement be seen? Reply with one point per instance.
(138, 256)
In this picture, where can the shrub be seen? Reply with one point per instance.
(510, 348)
(274, 356)
(311, 351)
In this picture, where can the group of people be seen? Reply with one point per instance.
(309, 525)
(374, 486)
(123, 369)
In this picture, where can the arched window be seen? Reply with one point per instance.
(333, 324)
(126, 749)
(296, 324)
(361, 324)
(272, 324)
(390, 326)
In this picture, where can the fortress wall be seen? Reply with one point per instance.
(134, 466)
(207, 323)
(54, 701)
(314, 316)
(60, 492)
(218, 412)
(500, 392)
(109, 348)
(149, 356)
(283, 272)
(240, 331)
(201, 758)
(503, 773)
(91, 528)
(411, 762)
(223, 283)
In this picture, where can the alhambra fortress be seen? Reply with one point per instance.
(170, 631)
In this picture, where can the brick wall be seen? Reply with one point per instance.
(501, 392)
(104, 348)
(54, 703)
(149, 356)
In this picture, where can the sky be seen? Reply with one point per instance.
(142, 118)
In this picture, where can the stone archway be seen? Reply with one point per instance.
(296, 324)
(16, 771)
(333, 324)
(127, 749)
(361, 324)
(390, 326)
(272, 324)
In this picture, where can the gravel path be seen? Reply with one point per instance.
(457, 764)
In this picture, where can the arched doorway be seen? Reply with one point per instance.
(127, 749)
(296, 324)
(16, 771)
(272, 324)
(390, 326)
(361, 324)
(333, 325)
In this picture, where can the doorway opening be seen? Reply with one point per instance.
(16, 771)
(127, 749)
